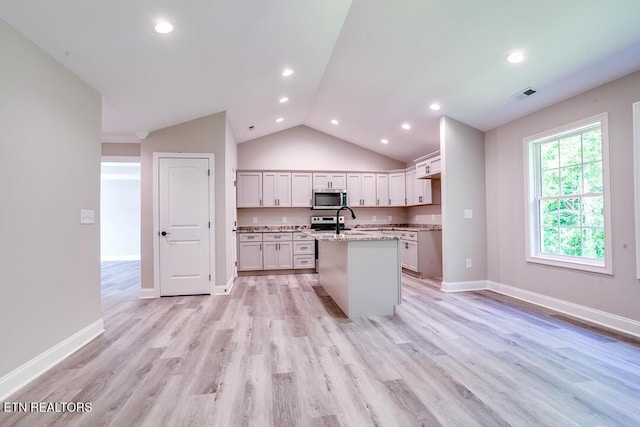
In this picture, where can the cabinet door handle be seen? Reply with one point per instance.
(260, 247)
(260, 202)
(389, 201)
(377, 202)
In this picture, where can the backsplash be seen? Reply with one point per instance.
(301, 216)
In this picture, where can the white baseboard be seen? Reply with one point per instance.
(224, 290)
(474, 285)
(602, 318)
(26, 373)
(148, 293)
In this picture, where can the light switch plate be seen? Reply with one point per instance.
(468, 213)
(87, 216)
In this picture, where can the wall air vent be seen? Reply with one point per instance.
(524, 93)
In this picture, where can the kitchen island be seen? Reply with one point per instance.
(361, 271)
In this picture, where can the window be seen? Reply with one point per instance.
(568, 204)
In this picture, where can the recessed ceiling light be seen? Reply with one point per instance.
(279, 119)
(164, 27)
(334, 121)
(406, 126)
(283, 99)
(515, 57)
(435, 106)
(384, 141)
(287, 72)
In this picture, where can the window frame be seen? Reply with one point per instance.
(533, 193)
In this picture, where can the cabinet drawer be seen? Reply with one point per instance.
(276, 237)
(250, 237)
(304, 261)
(307, 248)
(408, 235)
(302, 237)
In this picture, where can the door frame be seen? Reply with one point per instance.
(156, 220)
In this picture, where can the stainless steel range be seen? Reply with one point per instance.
(326, 223)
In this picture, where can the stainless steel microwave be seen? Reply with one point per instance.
(329, 198)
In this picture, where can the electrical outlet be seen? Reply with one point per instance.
(284, 219)
(87, 216)
(374, 218)
(255, 219)
(390, 218)
(468, 213)
(468, 262)
(433, 218)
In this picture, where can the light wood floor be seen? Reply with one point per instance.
(279, 352)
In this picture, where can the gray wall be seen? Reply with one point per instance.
(127, 149)
(304, 148)
(203, 135)
(463, 187)
(49, 170)
(618, 294)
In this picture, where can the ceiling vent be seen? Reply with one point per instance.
(523, 94)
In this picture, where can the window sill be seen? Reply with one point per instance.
(566, 262)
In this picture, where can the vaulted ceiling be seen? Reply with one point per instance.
(371, 65)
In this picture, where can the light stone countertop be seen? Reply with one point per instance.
(349, 236)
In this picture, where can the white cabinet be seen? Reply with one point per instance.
(303, 251)
(410, 185)
(249, 251)
(322, 180)
(278, 251)
(397, 189)
(249, 189)
(301, 185)
(429, 167)
(422, 192)
(361, 189)
(382, 189)
(276, 189)
(422, 252)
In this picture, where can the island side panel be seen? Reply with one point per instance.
(332, 271)
(375, 277)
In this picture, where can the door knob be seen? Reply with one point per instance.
(164, 233)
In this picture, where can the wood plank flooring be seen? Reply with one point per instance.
(279, 352)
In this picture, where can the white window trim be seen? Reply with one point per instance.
(532, 255)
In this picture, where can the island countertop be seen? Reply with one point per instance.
(349, 236)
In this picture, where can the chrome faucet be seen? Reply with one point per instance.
(353, 216)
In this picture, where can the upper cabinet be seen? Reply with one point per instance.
(301, 185)
(409, 187)
(361, 189)
(323, 180)
(428, 168)
(276, 189)
(397, 189)
(382, 189)
(249, 189)
(422, 194)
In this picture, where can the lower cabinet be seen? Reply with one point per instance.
(422, 252)
(250, 251)
(275, 251)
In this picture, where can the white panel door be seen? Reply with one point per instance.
(183, 219)
(301, 185)
(382, 189)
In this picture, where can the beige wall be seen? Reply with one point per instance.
(618, 294)
(121, 149)
(49, 170)
(203, 135)
(303, 148)
(463, 187)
